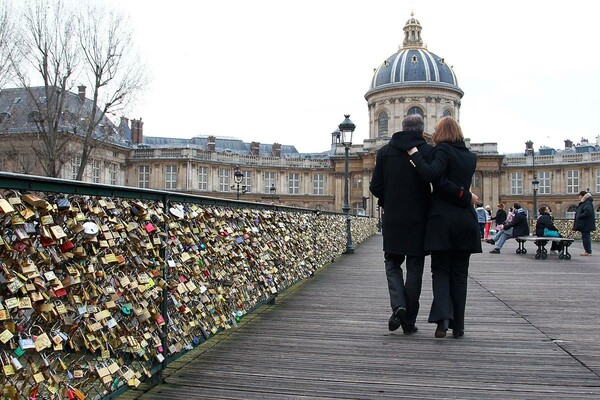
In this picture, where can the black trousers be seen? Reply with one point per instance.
(450, 271)
(405, 294)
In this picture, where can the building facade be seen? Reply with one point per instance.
(411, 80)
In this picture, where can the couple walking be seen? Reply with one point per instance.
(418, 220)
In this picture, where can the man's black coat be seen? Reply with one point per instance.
(402, 193)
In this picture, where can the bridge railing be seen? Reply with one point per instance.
(101, 286)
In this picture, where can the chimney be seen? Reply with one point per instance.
(137, 129)
(276, 150)
(254, 148)
(211, 143)
(81, 93)
(568, 144)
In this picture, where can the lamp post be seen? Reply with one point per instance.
(346, 129)
(238, 176)
(273, 190)
(535, 183)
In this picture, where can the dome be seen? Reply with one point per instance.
(414, 65)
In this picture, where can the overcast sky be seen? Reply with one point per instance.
(287, 72)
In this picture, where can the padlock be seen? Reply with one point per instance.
(26, 342)
(7, 367)
(15, 362)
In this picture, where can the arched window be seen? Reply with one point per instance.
(570, 213)
(382, 125)
(4, 117)
(447, 113)
(598, 212)
(415, 110)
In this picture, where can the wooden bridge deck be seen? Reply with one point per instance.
(532, 332)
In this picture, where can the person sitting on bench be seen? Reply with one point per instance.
(515, 228)
(543, 224)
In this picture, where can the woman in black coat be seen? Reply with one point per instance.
(585, 221)
(544, 222)
(452, 231)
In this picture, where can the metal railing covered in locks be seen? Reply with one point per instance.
(101, 285)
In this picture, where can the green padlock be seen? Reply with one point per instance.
(19, 351)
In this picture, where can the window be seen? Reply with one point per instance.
(171, 177)
(75, 161)
(269, 181)
(26, 163)
(447, 113)
(293, 183)
(34, 116)
(357, 209)
(113, 171)
(223, 180)
(516, 183)
(144, 176)
(570, 213)
(4, 117)
(476, 181)
(544, 178)
(318, 184)
(382, 125)
(247, 181)
(415, 110)
(357, 181)
(202, 178)
(96, 171)
(572, 181)
(598, 181)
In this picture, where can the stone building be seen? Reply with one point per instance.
(411, 80)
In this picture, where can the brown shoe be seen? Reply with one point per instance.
(585, 254)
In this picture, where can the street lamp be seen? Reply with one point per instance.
(535, 183)
(273, 190)
(347, 129)
(238, 176)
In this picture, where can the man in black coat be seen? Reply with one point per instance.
(405, 198)
(515, 228)
(585, 221)
(500, 217)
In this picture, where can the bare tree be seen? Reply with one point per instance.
(112, 69)
(62, 46)
(8, 43)
(50, 54)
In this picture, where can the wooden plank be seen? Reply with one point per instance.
(531, 333)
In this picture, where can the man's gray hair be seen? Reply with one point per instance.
(413, 123)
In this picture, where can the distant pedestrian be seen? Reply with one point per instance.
(518, 226)
(585, 221)
(482, 216)
(500, 217)
(488, 222)
(544, 226)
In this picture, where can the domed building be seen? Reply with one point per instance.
(413, 80)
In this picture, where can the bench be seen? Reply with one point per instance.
(540, 242)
